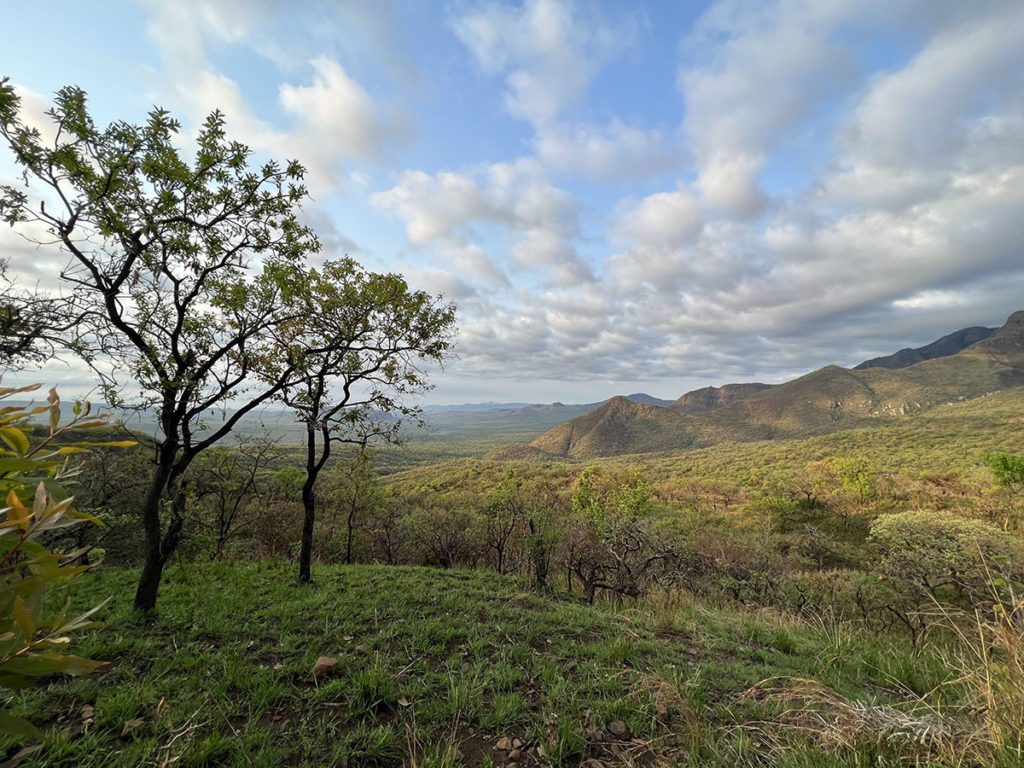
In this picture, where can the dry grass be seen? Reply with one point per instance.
(838, 724)
(988, 659)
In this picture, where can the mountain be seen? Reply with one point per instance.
(947, 345)
(827, 400)
(711, 398)
(619, 426)
(643, 397)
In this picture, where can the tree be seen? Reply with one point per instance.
(227, 481)
(353, 491)
(353, 342)
(936, 550)
(30, 324)
(503, 515)
(175, 270)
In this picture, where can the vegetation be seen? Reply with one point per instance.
(34, 639)
(352, 346)
(437, 667)
(823, 572)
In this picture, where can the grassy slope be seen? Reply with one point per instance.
(436, 666)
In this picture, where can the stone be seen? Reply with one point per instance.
(515, 754)
(132, 726)
(618, 729)
(362, 648)
(517, 743)
(504, 744)
(326, 666)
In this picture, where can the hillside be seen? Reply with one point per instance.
(618, 426)
(949, 344)
(710, 398)
(442, 668)
(827, 400)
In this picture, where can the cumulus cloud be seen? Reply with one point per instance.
(449, 209)
(617, 150)
(329, 117)
(547, 50)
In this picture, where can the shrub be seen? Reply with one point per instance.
(34, 644)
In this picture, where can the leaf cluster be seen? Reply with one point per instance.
(34, 644)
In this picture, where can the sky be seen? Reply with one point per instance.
(619, 197)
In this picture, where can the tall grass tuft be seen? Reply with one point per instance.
(988, 660)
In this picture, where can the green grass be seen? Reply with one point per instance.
(434, 667)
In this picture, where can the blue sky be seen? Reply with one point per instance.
(619, 197)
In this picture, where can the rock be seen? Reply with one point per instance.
(88, 712)
(515, 754)
(132, 726)
(326, 666)
(618, 729)
(362, 648)
(504, 744)
(517, 743)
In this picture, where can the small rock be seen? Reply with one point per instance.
(88, 713)
(515, 754)
(362, 648)
(618, 729)
(132, 726)
(325, 666)
(504, 744)
(517, 743)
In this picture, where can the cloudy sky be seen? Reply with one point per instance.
(620, 197)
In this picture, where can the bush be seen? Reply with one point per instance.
(940, 552)
(34, 644)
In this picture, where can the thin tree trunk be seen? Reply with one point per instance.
(309, 509)
(153, 559)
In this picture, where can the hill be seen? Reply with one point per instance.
(618, 426)
(827, 400)
(447, 668)
(710, 398)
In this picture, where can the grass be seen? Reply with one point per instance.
(436, 666)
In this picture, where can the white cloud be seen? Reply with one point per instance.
(447, 210)
(334, 111)
(666, 220)
(616, 151)
(547, 50)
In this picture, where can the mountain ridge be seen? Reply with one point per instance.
(829, 399)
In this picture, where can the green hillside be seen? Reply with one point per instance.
(456, 668)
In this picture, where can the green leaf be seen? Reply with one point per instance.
(8, 465)
(23, 617)
(16, 439)
(18, 726)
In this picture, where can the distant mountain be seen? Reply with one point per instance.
(711, 398)
(516, 420)
(619, 426)
(643, 397)
(826, 400)
(473, 407)
(947, 345)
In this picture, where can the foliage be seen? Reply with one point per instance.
(176, 273)
(938, 550)
(33, 639)
(350, 346)
(1008, 468)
